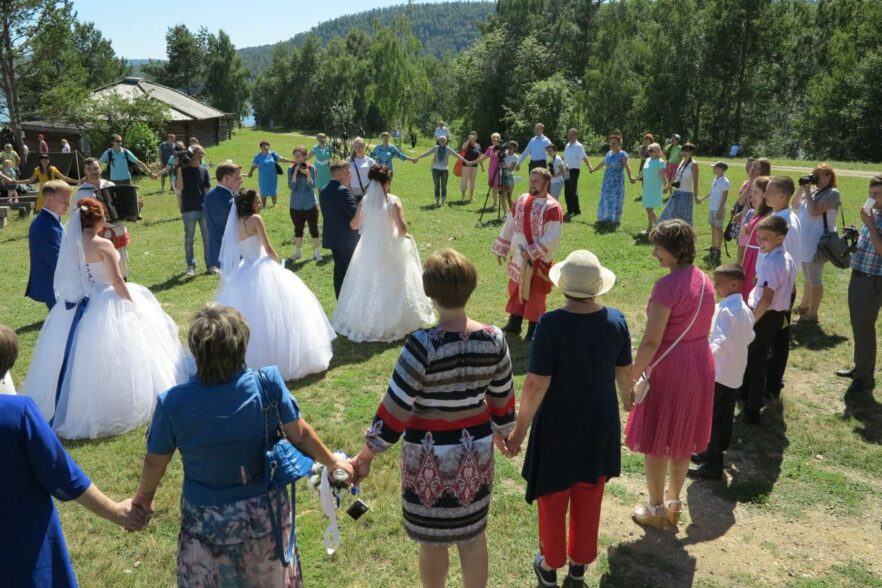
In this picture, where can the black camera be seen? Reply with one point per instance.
(676, 183)
(808, 180)
(183, 156)
(500, 150)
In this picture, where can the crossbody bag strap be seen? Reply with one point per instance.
(686, 330)
(358, 177)
(276, 513)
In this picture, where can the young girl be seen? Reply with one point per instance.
(508, 181)
(9, 176)
(653, 176)
(558, 171)
(748, 232)
(685, 188)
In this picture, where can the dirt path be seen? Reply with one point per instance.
(851, 173)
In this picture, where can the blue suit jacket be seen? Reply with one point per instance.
(216, 208)
(338, 207)
(44, 241)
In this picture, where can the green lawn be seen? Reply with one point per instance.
(801, 508)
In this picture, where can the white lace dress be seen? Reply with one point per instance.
(289, 328)
(382, 297)
(121, 356)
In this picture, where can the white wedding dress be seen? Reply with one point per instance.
(289, 328)
(382, 297)
(121, 355)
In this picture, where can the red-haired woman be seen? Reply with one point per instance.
(107, 349)
(612, 191)
(817, 214)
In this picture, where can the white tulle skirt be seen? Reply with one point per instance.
(122, 356)
(382, 297)
(289, 328)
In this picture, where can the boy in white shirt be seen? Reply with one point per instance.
(718, 194)
(730, 337)
(770, 299)
(779, 192)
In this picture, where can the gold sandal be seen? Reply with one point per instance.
(653, 516)
(673, 508)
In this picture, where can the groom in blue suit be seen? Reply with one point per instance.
(338, 208)
(44, 241)
(216, 208)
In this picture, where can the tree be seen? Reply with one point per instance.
(399, 81)
(21, 22)
(226, 79)
(184, 69)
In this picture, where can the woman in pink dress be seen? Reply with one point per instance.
(674, 419)
(751, 251)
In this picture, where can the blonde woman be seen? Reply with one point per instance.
(653, 176)
(360, 163)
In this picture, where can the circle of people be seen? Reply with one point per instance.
(451, 397)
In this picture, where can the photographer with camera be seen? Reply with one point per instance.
(817, 210)
(304, 204)
(865, 293)
(191, 184)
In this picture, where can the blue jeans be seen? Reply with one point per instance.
(190, 220)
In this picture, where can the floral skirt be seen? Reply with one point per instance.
(233, 546)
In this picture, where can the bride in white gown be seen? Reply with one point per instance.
(107, 349)
(289, 328)
(382, 297)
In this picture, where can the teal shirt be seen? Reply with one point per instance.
(383, 154)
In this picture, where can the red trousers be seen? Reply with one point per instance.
(583, 501)
(534, 308)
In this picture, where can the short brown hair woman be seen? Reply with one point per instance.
(674, 420)
(217, 422)
(449, 395)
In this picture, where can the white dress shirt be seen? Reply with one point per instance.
(778, 272)
(731, 334)
(574, 155)
(535, 149)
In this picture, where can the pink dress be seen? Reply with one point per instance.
(674, 420)
(494, 167)
(751, 253)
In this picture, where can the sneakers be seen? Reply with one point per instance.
(214, 271)
(191, 271)
(317, 256)
(297, 255)
(575, 576)
(545, 577)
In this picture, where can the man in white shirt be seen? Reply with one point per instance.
(441, 131)
(535, 148)
(574, 156)
(770, 299)
(730, 337)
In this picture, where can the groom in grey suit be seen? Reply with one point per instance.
(338, 209)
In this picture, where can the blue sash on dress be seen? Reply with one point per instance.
(81, 308)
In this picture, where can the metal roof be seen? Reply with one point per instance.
(181, 106)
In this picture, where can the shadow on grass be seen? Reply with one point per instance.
(14, 239)
(868, 412)
(756, 456)
(813, 337)
(429, 207)
(656, 559)
(173, 282)
(605, 227)
(29, 328)
(348, 352)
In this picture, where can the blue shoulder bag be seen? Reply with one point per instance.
(284, 465)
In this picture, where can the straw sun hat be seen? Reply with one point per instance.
(580, 275)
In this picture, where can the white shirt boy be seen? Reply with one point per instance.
(792, 243)
(719, 185)
(731, 334)
(778, 272)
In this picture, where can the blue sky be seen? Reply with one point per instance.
(137, 29)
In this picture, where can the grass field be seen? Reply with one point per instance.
(800, 508)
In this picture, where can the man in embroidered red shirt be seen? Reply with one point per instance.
(531, 233)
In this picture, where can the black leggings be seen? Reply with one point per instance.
(439, 176)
